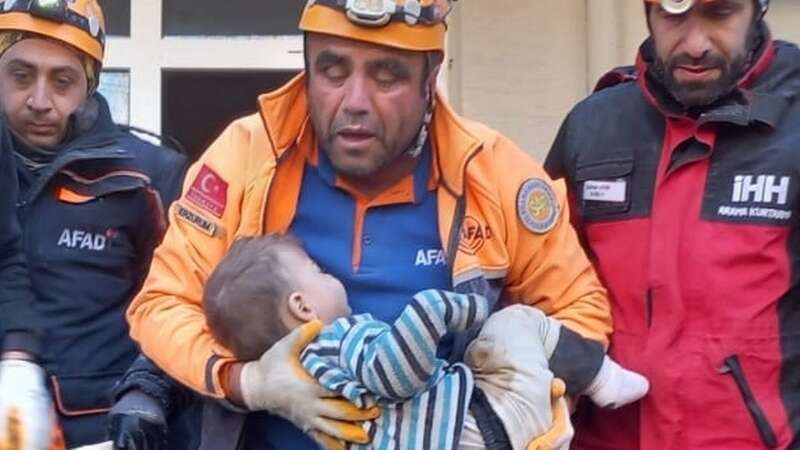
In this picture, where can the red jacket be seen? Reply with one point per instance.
(692, 226)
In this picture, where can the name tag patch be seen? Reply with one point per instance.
(605, 191)
(201, 223)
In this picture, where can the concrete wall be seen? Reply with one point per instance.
(519, 65)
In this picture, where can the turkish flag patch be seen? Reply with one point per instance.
(209, 191)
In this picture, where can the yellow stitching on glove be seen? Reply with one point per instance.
(561, 421)
(351, 412)
(15, 430)
(328, 442)
(308, 333)
(350, 430)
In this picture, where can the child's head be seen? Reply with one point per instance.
(263, 288)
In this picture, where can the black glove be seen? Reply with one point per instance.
(137, 423)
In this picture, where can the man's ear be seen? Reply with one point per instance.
(435, 63)
(300, 309)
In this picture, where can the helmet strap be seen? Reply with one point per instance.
(419, 143)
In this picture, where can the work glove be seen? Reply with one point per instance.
(277, 383)
(559, 436)
(509, 360)
(137, 422)
(26, 416)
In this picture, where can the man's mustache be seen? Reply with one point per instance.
(708, 61)
(347, 123)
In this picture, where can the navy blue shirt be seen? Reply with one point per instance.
(384, 251)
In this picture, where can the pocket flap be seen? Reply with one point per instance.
(86, 189)
(80, 395)
(604, 170)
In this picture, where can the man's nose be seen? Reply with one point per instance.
(40, 97)
(696, 41)
(357, 98)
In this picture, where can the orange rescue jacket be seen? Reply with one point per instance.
(248, 183)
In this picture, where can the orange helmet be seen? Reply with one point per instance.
(417, 25)
(79, 23)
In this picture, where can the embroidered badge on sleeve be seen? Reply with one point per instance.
(537, 206)
(209, 191)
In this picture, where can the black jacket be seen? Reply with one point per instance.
(18, 329)
(91, 219)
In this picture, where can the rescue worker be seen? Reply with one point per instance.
(685, 175)
(21, 378)
(388, 189)
(91, 204)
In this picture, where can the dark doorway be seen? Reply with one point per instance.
(197, 105)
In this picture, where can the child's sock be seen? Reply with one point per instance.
(615, 386)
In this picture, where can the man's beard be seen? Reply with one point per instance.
(693, 94)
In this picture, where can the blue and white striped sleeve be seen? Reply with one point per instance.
(400, 361)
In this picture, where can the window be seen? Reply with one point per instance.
(198, 104)
(203, 40)
(231, 17)
(115, 85)
(118, 17)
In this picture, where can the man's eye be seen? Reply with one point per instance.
(21, 76)
(334, 72)
(720, 12)
(385, 79)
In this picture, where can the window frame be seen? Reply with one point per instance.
(145, 54)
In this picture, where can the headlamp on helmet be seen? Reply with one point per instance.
(417, 25)
(677, 6)
(370, 12)
(55, 10)
(682, 6)
(377, 13)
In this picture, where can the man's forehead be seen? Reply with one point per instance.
(349, 48)
(40, 51)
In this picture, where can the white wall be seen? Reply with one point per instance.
(520, 65)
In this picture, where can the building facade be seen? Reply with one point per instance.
(185, 68)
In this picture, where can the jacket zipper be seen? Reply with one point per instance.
(455, 233)
(733, 366)
(648, 307)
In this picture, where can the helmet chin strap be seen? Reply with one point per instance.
(419, 143)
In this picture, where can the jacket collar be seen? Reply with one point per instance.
(92, 125)
(757, 97)
(286, 119)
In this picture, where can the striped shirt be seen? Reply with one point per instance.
(423, 399)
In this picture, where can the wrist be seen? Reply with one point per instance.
(17, 355)
(232, 382)
(138, 403)
(22, 341)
